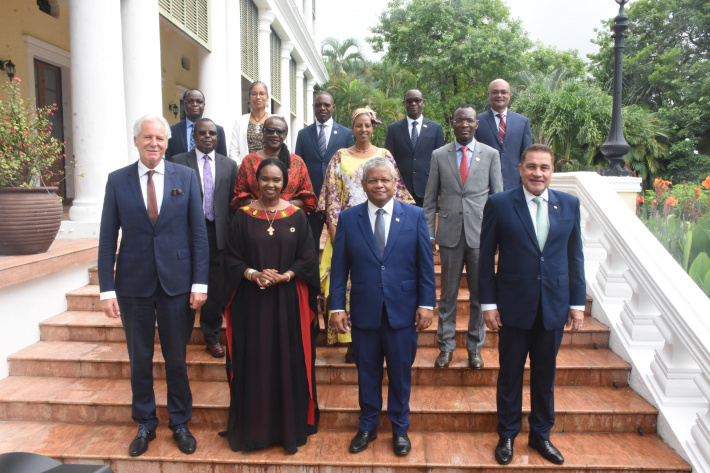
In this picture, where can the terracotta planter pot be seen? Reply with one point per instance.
(29, 219)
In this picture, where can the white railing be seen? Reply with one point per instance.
(659, 318)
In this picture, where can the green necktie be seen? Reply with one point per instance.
(543, 226)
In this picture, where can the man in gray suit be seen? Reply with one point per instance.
(461, 176)
(217, 175)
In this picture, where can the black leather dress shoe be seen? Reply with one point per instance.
(504, 451)
(186, 442)
(475, 361)
(401, 444)
(548, 451)
(139, 445)
(443, 360)
(362, 439)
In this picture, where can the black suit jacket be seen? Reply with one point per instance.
(177, 143)
(307, 148)
(413, 163)
(225, 177)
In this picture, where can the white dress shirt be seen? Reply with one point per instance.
(328, 130)
(420, 122)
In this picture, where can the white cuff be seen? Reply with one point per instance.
(485, 307)
(426, 307)
(200, 288)
(578, 307)
(107, 295)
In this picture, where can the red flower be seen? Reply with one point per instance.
(706, 183)
(639, 199)
(654, 202)
(698, 191)
(672, 201)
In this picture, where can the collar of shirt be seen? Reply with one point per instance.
(201, 155)
(497, 118)
(201, 164)
(529, 196)
(143, 169)
(459, 154)
(419, 120)
(328, 123)
(189, 123)
(471, 146)
(372, 213)
(532, 206)
(158, 181)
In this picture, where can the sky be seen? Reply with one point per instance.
(565, 24)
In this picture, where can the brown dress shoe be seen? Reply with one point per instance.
(349, 355)
(475, 361)
(443, 360)
(216, 350)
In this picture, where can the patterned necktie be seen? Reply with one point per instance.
(501, 127)
(543, 226)
(463, 168)
(415, 134)
(380, 231)
(192, 138)
(208, 185)
(321, 140)
(152, 199)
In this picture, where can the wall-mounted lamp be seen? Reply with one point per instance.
(173, 107)
(8, 67)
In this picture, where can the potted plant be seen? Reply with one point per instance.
(30, 210)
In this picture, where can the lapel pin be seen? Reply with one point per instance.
(397, 219)
(424, 125)
(335, 132)
(478, 159)
(555, 207)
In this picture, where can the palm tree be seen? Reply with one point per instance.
(341, 57)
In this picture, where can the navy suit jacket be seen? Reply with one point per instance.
(307, 148)
(403, 279)
(177, 143)
(413, 163)
(517, 138)
(174, 252)
(528, 277)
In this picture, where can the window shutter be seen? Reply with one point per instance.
(190, 16)
(249, 16)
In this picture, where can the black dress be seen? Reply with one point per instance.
(271, 332)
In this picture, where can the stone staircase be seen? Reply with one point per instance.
(68, 397)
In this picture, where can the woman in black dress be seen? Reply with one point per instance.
(271, 320)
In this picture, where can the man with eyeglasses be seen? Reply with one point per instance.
(411, 142)
(505, 131)
(316, 144)
(182, 139)
(461, 176)
(217, 175)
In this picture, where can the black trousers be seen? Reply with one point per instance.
(212, 311)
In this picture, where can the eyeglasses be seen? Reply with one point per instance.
(278, 131)
(197, 101)
(461, 121)
(372, 182)
(416, 100)
(259, 94)
(206, 132)
(499, 92)
(322, 105)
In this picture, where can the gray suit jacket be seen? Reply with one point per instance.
(460, 204)
(225, 177)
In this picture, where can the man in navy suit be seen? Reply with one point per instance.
(181, 140)
(217, 192)
(384, 246)
(538, 289)
(161, 271)
(507, 132)
(411, 142)
(316, 144)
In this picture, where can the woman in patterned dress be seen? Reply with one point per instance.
(341, 190)
(298, 191)
(247, 136)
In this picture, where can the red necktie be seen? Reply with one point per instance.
(152, 199)
(463, 168)
(501, 127)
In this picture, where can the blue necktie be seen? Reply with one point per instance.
(380, 231)
(415, 134)
(192, 138)
(321, 140)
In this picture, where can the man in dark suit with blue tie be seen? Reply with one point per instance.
(411, 142)
(316, 144)
(182, 133)
(539, 288)
(383, 245)
(217, 174)
(505, 131)
(161, 272)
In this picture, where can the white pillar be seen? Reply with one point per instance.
(142, 75)
(308, 19)
(309, 99)
(233, 98)
(99, 116)
(266, 17)
(300, 118)
(212, 75)
(286, 48)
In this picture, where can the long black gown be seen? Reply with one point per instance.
(271, 332)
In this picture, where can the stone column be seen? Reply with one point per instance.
(266, 17)
(297, 123)
(308, 19)
(212, 75)
(309, 100)
(286, 48)
(233, 98)
(99, 115)
(142, 75)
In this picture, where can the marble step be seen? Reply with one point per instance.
(95, 326)
(575, 366)
(328, 451)
(433, 408)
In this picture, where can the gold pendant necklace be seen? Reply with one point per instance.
(270, 230)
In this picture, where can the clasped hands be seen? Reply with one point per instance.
(268, 277)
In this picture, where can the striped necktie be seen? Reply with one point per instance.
(321, 139)
(501, 127)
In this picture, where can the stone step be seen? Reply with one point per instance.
(575, 366)
(433, 408)
(328, 451)
(93, 326)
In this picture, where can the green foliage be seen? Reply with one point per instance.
(700, 272)
(544, 60)
(341, 57)
(27, 148)
(685, 163)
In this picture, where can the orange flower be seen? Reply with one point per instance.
(639, 199)
(706, 183)
(672, 201)
(654, 202)
(698, 191)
